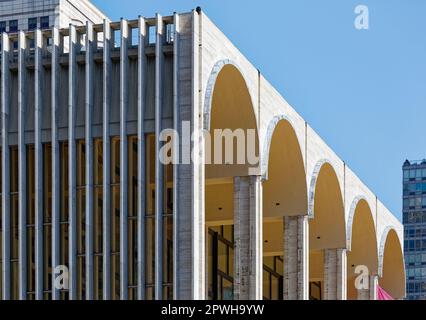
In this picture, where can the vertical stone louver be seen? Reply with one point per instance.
(296, 258)
(56, 183)
(335, 271)
(5, 100)
(22, 105)
(106, 162)
(159, 169)
(141, 158)
(248, 238)
(72, 173)
(38, 155)
(124, 105)
(89, 160)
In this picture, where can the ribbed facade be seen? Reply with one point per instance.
(81, 186)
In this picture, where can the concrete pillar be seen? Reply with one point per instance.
(124, 106)
(159, 168)
(106, 214)
(38, 152)
(176, 122)
(189, 280)
(296, 258)
(5, 100)
(72, 172)
(335, 274)
(56, 173)
(89, 160)
(22, 105)
(248, 251)
(374, 283)
(371, 292)
(141, 158)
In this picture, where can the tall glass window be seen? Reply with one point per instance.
(150, 225)
(14, 223)
(150, 219)
(81, 219)
(98, 220)
(30, 223)
(64, 222)
(221, 262)
(168, 234)
(115, 218)
(133, 217)
(273, 278)
(47, 221)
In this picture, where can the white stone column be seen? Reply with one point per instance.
(371, 292)
(296, 258)
(374, 282)
(248, 250)
(189, 217)
(335, 274)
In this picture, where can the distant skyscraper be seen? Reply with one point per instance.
(32, 14)
(414, 218)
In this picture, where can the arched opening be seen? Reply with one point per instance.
(392, 278)
(229, 107)
(284, 194)
(363, 244)
(326, 226)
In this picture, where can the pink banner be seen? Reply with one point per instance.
(382, 294)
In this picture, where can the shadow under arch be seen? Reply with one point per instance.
(391, 264)
(283, 168)
(361, 242)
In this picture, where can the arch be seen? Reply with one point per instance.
(268, 141)
(391, 264)
(349, 225)
(327, 224)
(313, 183)
(361, 242)
(229, 107)
(326, 208)
(283, 170)
(211, 82)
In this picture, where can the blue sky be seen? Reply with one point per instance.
(363, 91)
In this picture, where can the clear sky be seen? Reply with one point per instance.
(363, 91)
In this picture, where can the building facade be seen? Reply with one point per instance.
(43, 14)
(414, 218)
(87, 199)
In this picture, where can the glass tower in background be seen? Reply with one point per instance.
(414, 219)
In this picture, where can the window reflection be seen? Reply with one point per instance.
(64, 217)
(115, 218)
(98, 220)
(14, 224)
(47, 221)
(30, 223)
(81, 219)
